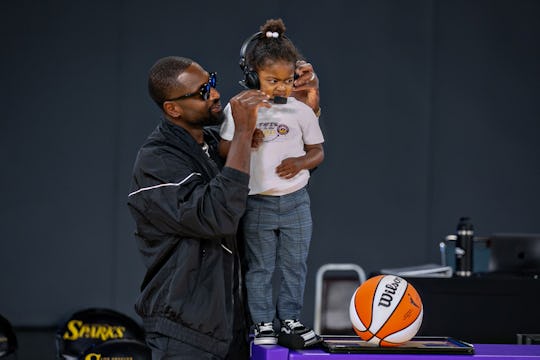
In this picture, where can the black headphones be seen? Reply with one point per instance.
(251, 79)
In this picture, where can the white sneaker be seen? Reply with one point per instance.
(265, 334)
(295, 327)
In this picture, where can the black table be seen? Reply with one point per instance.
(480, 309)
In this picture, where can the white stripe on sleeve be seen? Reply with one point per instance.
(161, 185)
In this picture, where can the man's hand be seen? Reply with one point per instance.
(244, 108)
(306, 87)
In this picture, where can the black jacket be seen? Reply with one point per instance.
(187, 209)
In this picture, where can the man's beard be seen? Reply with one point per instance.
(213, 118)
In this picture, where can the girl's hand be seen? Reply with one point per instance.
(289, 167)
(258, 138)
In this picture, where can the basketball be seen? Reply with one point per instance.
(386, 310)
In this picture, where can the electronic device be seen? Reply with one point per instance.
(417, 345)
(514, 254)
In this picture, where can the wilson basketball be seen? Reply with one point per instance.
(386, 310)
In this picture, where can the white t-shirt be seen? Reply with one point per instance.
(286, 127)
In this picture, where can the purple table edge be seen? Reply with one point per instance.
(482, 351)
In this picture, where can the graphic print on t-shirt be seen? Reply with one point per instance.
(273, 130)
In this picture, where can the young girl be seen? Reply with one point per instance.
(277, 225)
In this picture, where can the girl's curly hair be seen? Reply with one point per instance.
(268, 48)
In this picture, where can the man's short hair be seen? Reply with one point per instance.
(163, 75)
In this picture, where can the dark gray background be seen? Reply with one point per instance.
(431, 111)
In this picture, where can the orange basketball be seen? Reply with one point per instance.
(386, 310)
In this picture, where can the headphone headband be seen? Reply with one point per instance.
(251, 79)
(244, 47)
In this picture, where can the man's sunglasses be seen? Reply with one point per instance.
(204, 90)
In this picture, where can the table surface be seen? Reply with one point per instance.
(482, 351)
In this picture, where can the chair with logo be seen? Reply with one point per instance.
(118, 349)
(334, 286)
(92, 327)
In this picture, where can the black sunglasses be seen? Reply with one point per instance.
(204, 90)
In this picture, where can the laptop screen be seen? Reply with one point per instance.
(517, 254)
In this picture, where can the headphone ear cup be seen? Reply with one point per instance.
(252, 80)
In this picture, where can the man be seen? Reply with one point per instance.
(187, 206)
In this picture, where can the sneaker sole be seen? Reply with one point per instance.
(265, 341)
(317, 339)
(296, 342)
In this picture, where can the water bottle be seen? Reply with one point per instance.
(464, 247)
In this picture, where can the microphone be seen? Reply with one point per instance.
(243, 84)
(280, 100)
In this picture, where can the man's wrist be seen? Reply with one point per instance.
(243, 134)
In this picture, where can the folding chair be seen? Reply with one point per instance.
(335, 284)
